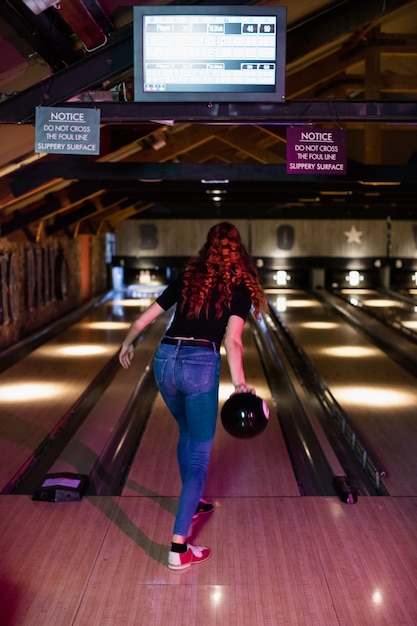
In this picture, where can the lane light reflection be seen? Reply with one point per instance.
(131, 302)
(377, 597)
(28, 392)
(372, 396)
(349, 351)
(412, 324)
(302, 303)
(109, 325)
(319, 325)
(281, 303)
(217, 595)
(225, 392)
(379, 302)
(86, 350)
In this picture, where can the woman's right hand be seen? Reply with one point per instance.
(243, 388)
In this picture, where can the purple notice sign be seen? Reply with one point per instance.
(316, 150)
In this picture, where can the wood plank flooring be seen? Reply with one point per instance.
(278, 561)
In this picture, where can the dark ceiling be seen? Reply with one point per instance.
(349, 65)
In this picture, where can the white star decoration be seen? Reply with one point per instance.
(353, 235)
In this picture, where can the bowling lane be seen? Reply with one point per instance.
(40, 391)
(258, 467)
(378, 396)
(394, 310)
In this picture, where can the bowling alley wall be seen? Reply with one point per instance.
(315, 252)
(41, 282)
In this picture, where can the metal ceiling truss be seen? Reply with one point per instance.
(76, 168)
(288, 114)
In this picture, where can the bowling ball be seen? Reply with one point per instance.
(244, 415)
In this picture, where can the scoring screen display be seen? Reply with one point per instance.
(203, 53)
(209, 51)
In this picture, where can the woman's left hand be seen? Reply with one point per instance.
(126, 356)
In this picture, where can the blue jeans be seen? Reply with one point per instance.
(188, 380)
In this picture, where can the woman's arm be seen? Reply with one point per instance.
(126, 352)
(234, 352)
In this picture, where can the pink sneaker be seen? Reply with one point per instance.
(194, 554)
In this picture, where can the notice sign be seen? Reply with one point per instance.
(67, 131)
(316, 150)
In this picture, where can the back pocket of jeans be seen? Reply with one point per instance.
(199, 375)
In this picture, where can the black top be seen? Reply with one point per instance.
(203, 327)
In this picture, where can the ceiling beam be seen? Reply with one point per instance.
(287, 113)
(63, 222)
(78, 168)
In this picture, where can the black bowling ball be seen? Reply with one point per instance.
(244, 415)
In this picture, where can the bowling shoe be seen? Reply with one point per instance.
(194, 554)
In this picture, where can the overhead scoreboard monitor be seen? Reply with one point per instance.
(209, 54)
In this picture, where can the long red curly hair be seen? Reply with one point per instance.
(223, 261)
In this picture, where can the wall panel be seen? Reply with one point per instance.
(322, 238)
(172, 238)
(404, 240)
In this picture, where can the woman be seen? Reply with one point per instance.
(213, 298)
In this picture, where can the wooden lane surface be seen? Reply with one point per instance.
(393, 309)
(378, 396)
(253, 467)
(97, 435)
(39, 390)
(276, 560)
